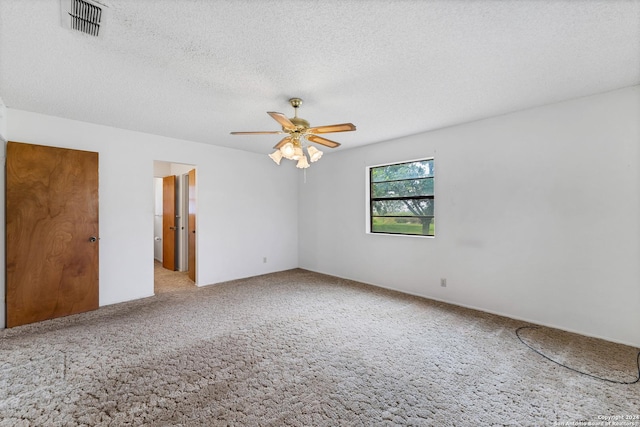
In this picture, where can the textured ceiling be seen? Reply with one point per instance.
(199, 69)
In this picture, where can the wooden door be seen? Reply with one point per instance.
(191, 227)
(169, 229)
(51, 232)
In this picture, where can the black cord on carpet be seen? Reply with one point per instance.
(570, 368)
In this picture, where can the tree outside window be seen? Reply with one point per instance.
(402, 198)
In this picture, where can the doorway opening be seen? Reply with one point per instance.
(174, 248)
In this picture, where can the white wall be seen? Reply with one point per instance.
(247, 207)
(537, 217)
(3, 121)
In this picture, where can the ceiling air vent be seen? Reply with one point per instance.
(81, 15)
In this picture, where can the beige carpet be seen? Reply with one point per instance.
(170, 281)
(302, 349)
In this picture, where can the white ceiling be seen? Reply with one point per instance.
(198, 69)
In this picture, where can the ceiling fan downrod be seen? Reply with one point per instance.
(301, 124)
(295, 103)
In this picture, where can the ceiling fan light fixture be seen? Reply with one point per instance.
(297, 153)
(287, 150)
(276, 156)
(314, 153)
(302, 163)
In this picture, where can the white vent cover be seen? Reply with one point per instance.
(82, 15)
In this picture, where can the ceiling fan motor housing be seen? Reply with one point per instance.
(300, 123)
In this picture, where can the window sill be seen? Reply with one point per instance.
(400, 235)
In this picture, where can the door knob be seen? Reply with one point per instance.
(172, 228)
(92, 239)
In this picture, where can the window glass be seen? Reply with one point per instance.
(407, 188)
(402, 198)
(406, 170)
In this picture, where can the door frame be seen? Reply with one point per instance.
(163, 168)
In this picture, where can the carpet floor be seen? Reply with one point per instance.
(170, 281)
(303, 349)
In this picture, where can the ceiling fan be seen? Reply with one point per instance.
(298, 131)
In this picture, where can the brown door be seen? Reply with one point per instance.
(192, 224)
(51, 232)
(169, 222)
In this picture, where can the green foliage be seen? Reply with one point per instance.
(399, 226)
(408, 188)
(411, 207)
(401, 193)
(410, 170)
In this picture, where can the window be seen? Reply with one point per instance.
(401, 198)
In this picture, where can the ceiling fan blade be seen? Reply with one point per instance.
(281, 143)
(282, 119)
(343, 127)
(266, 132)
(323, 141)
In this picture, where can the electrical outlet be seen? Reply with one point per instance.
(264, 260)
(443, 282)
